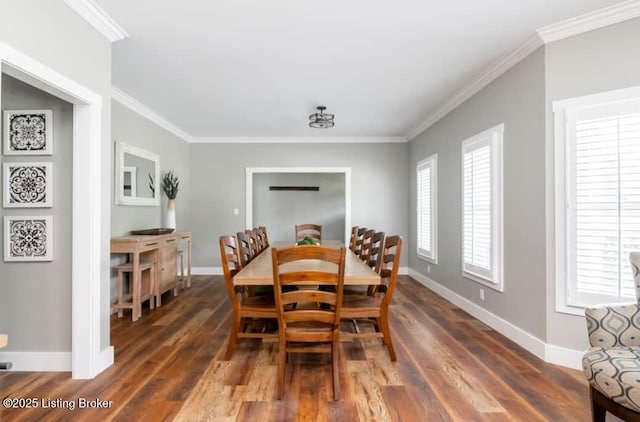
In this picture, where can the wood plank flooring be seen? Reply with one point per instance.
(168, 366)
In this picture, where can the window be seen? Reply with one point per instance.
(427, 211)
(597, 198)
(482, 207)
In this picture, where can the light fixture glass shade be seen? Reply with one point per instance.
(321, 120)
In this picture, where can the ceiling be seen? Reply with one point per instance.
(256, 68)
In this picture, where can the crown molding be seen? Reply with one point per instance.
(131, 103)
(298, 140)
(135, 105)
(98, 18)
(485, 78)
(589, 21)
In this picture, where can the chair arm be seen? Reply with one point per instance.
(613, 325)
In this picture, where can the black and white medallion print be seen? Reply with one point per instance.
(28, 132)
(27, 185)
(28, 238)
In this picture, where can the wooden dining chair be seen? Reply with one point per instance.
(254, 242)
(376, 246)
(366, 245)
(260, 239)
(245, 307)
(353, 238)
(357, 246)
(309, 230)
(265, 238)
(308, 318)
(375, 309)
(244, 248)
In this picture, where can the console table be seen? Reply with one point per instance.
(162, 250)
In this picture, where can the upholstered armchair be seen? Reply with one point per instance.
(612, 363)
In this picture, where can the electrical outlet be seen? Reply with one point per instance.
(236, 211)
(481, 294)
(429, 268)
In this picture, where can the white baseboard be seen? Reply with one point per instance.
(106, 358)
(563, 356)
(206, 271)
(548, 352)
(403, 270)
(38, 361)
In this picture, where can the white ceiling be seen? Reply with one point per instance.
(258, 68)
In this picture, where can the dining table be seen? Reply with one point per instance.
(260, 270)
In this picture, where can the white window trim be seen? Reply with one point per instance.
(494, 137)
(429, 162)
(561, 133)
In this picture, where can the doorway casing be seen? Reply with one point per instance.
(87, 358)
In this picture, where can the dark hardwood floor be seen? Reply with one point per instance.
(168, 366)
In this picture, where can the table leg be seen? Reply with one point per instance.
(136, 283)
(189, 262)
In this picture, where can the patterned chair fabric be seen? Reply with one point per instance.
(612, 364)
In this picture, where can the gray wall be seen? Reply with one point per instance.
(379, 191)
(35, 304)
(129, 127)
(517, 100)
(279, 211)
(596, 61)
(56, 36)
(133, 129)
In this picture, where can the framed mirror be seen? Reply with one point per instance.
(137, 175)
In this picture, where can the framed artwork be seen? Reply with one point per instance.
(28, 132)
(27, 185)
(28, 238)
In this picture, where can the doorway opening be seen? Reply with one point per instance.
(327, 175)
(87, 358)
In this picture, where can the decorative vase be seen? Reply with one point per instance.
(171, 214)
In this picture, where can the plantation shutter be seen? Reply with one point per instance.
(604, 200)
(426, 207)
(477, 215)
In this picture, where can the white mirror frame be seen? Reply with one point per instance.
(121, 199)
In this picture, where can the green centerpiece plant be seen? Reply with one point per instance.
(308, 240)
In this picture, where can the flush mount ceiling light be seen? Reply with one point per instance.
(321, 120)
